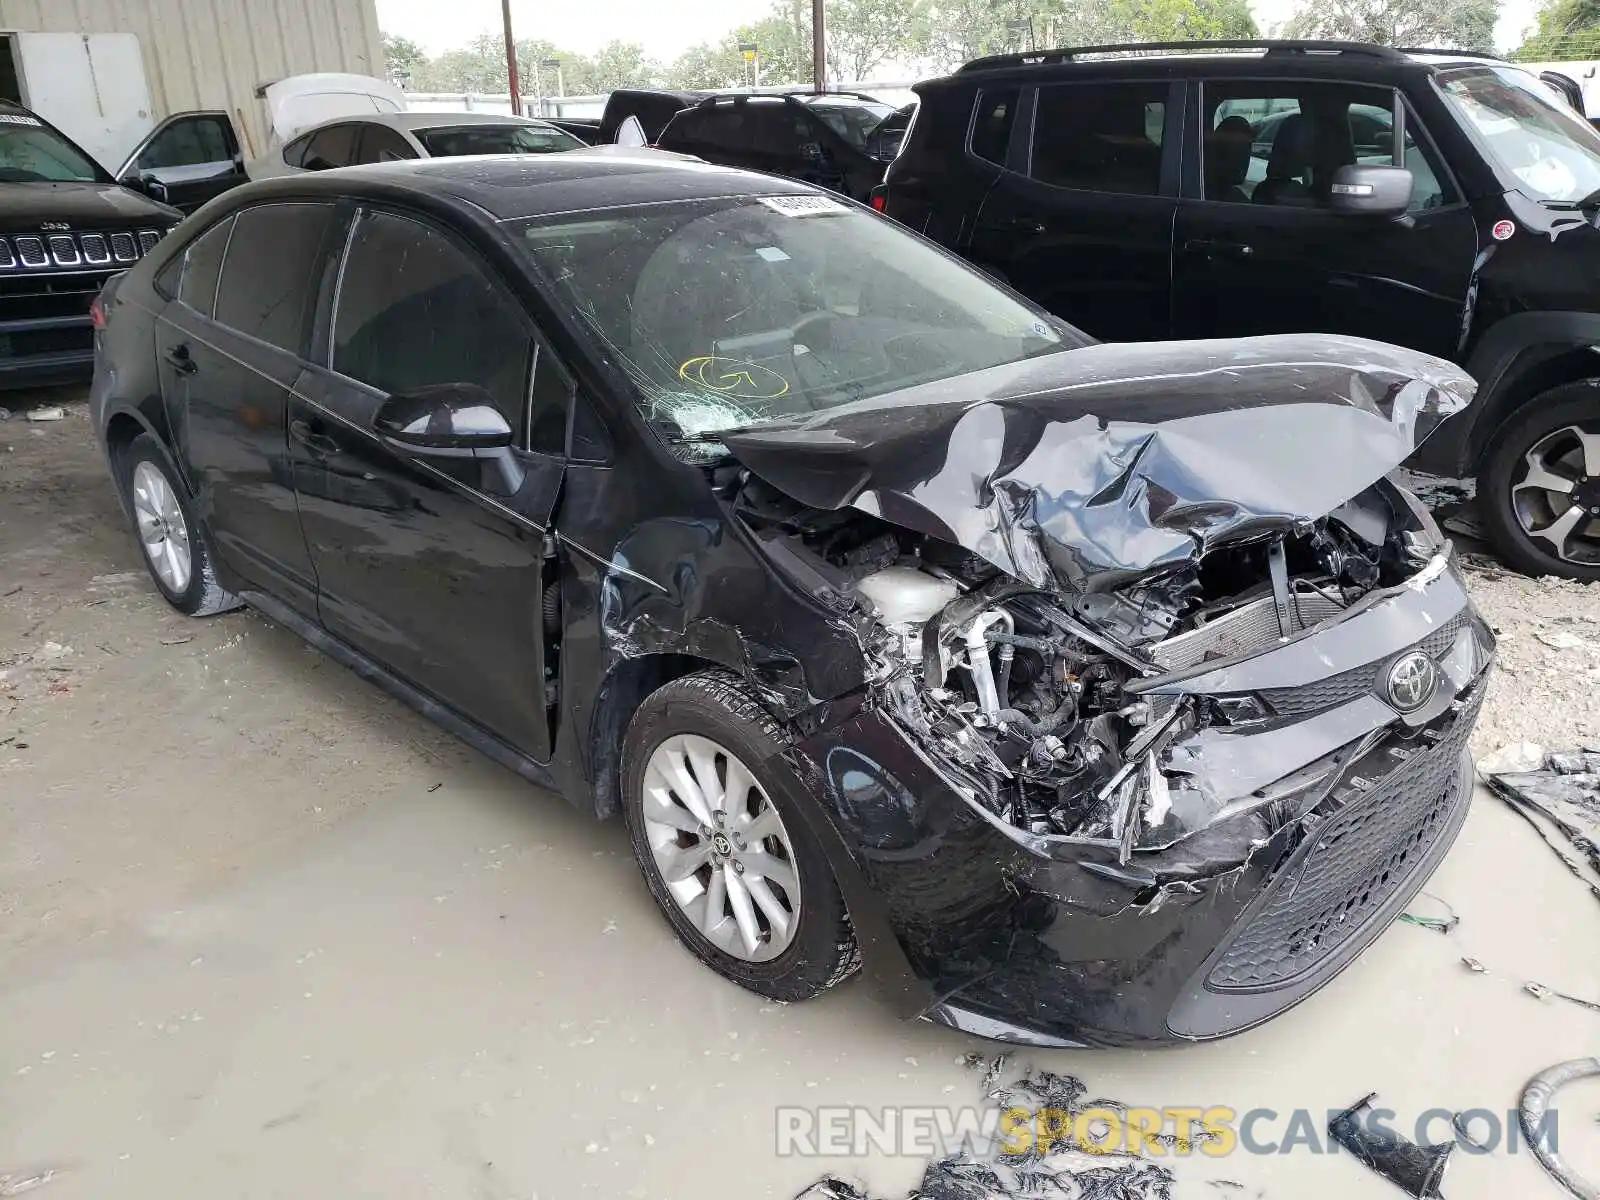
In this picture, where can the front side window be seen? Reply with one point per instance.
(1100, 137)
(496, 139)
(191, 142)
(416, 310)
(731, 312)
(1281, 145)
(32, 153)
(202, 263)
(1537, 144)
(272, 270)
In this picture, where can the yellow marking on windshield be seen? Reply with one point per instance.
(734, 377)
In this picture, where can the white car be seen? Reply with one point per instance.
(393, 137)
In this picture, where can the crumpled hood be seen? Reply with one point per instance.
(1085, 468)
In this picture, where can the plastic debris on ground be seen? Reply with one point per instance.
(52, 413)
(1417, 1170)
(1535, 1108)
(1438, 922)
(1540, 992)
(1557, 791)
(1062, 1171)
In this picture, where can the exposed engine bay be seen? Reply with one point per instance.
(1041, 699)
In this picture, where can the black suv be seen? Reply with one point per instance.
(1442, 201)
(828, 139)
(65, 228)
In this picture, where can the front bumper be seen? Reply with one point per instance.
(973, 923)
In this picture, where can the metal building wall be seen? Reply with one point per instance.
(215, 53)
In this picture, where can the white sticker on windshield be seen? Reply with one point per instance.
(804, 206)
(772, 254)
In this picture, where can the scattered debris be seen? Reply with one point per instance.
(182, 641)
(1562, 640)
(51, 652)
(831, 1188)
(1563, 790)
(1535, 1106)
(1442, 924)
(1539, 992)
(52, 412)
(1473, 965)
(1464, 522)
(5, 414)
(435, 788)
(1418, 1170)
(15, 1185)
(1458, 1122)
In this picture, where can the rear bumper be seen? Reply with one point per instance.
(46, 351)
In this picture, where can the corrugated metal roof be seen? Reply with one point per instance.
(216, 53)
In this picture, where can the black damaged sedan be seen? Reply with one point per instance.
(1083, 694)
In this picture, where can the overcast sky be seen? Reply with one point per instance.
(666, 29)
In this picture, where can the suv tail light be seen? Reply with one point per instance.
(879, 198)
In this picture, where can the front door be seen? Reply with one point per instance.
(1081, 219)
(435, 567)
(1259, 252)
(187, 160)
(229, 355)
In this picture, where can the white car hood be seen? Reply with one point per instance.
(301, 101)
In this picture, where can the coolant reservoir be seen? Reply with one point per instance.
(906, 597)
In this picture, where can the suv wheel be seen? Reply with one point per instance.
(176, 544)
(1540, 491)
(737, 873)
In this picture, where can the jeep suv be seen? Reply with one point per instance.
(1446, 202)
(65, 228)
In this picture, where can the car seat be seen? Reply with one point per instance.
(1227, 160)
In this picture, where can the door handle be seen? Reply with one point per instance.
(1224, 249)
(319, 444)
(178, 356)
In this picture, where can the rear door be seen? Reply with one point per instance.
(427, 564)
(1257, 249)
(1080, 218)
(189, 159)
(229, 374)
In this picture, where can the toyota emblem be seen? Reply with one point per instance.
(1412, 680)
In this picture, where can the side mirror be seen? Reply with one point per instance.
(1360, 191)
(452, 420)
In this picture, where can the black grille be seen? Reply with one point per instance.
(1363, 854)
(1358, 681)
(7, 258)
(147, 240)
(95, 251)
(64, 250)
(124, 248)
(31, 251)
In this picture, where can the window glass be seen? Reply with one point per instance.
(1100, 137)
(549, 403)
(295, 152)
(496, 139)
(1282, 147)
(379, 143)
(1539, 145)
(202, 262)
(333, 147)
(730, 312)
(853, 120)
(416, 310)
(723, 128)
(30, 153)
(191, 142)
(271, 271)
(991, 131)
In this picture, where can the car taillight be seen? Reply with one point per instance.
(879, 199)
(97, 312)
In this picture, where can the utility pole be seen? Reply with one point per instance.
(819, 49)
(511, 60)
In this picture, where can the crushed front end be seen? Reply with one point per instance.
(1134, 766)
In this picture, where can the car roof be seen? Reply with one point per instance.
(514, 187)
(450, 120)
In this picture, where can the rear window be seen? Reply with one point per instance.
(202, 262)
(271, 272)
(459, 140)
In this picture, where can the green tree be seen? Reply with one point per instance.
(863, 34)
(966, 29)
(620, 64)
(1567, 29)
(1453, 24)
(403, 57)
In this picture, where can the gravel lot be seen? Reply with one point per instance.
(263, 932)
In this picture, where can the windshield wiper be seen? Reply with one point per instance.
(1592, 200)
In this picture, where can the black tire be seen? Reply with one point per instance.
(1575, 404)
(203, 596)
(719, 706)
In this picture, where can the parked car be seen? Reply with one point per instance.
(652, 108)
(824, 139)
(1437, 200)
(66, 227)
(1093, 693)
(400, 136)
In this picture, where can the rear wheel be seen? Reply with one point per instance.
(1540, 491)
(738, 874)
(176, 545)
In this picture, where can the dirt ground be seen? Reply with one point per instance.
(264, 932)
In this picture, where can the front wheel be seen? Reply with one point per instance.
(736, 872)
(1540, 490)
